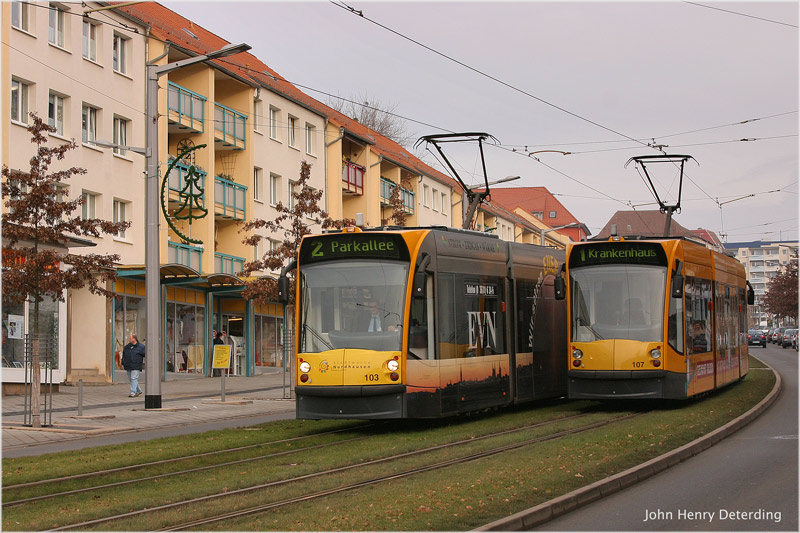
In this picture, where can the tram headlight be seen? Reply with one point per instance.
(392, 365)
(305, 367)
(655, 353)
(576, 353)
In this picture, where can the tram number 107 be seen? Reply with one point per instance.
(638, 364)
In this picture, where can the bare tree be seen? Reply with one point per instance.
(377, 116)
(36, 219)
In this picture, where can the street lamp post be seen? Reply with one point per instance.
(152, 282)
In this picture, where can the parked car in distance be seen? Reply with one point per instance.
(786, 338)
(757, 337)
(770, 331)
(777, 335)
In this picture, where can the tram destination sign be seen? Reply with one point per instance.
(353, 246)
(605, 253)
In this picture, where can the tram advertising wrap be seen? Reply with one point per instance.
(654, 319)
(422, 323)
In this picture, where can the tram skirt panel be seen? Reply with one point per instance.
(357, 402)
(623, 384)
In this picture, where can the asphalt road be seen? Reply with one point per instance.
(748, 482)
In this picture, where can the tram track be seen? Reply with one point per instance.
(131, 468)
(353, 486)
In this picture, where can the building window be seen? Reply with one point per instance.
(120, 214)
(552, 214)
(90, 41)
(19, 15)
(120, 135)
(292, 126)
(55, 33)
(257, 183)
(19, 101)
(425, 195)
(55, 112)
(89, 207)
(274, 189)
(273, 123)
(89, 124)
(258, 119)
(120, 62)
(291, 194)
(435, 199)
(444, 203)
(310, 132)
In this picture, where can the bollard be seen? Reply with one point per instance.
(80, 397)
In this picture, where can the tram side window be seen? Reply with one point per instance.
(742, 318)
(731, 316)
(720, 319)
(675, 323)
(420, 332)
(470, 320)
(697, 293)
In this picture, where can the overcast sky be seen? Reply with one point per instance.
(582, 77)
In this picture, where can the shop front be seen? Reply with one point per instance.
(195, 308)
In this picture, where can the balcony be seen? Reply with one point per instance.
(185, 109)
(184, 254)
(353, 178)
(387, 186)
(228, 264)
(177, 181)
(230, 199)
(229, 128)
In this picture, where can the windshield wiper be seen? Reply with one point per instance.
(580, 319)
(317, 336)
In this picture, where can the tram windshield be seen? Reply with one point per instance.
(352, 304)
(618, 302)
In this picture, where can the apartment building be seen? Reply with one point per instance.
(232, 136)
(762, 261)
(83, 77)
(86, 74)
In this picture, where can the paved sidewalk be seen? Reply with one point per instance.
(189, 404)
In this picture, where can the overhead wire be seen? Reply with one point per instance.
(359, 13)
(741, 14)
(611, 141)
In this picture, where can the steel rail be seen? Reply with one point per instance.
(273, 484)
(172, 460)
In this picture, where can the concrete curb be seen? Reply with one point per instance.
(542, 513)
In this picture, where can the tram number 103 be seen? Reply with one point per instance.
(371, 377)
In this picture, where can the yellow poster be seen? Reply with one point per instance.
(222, 356)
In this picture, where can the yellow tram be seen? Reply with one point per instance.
(661, 318)
(427, 322)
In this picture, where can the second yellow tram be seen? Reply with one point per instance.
(653, 319)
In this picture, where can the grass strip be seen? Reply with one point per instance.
(671, 425)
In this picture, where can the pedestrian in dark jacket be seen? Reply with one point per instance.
(132, 359)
